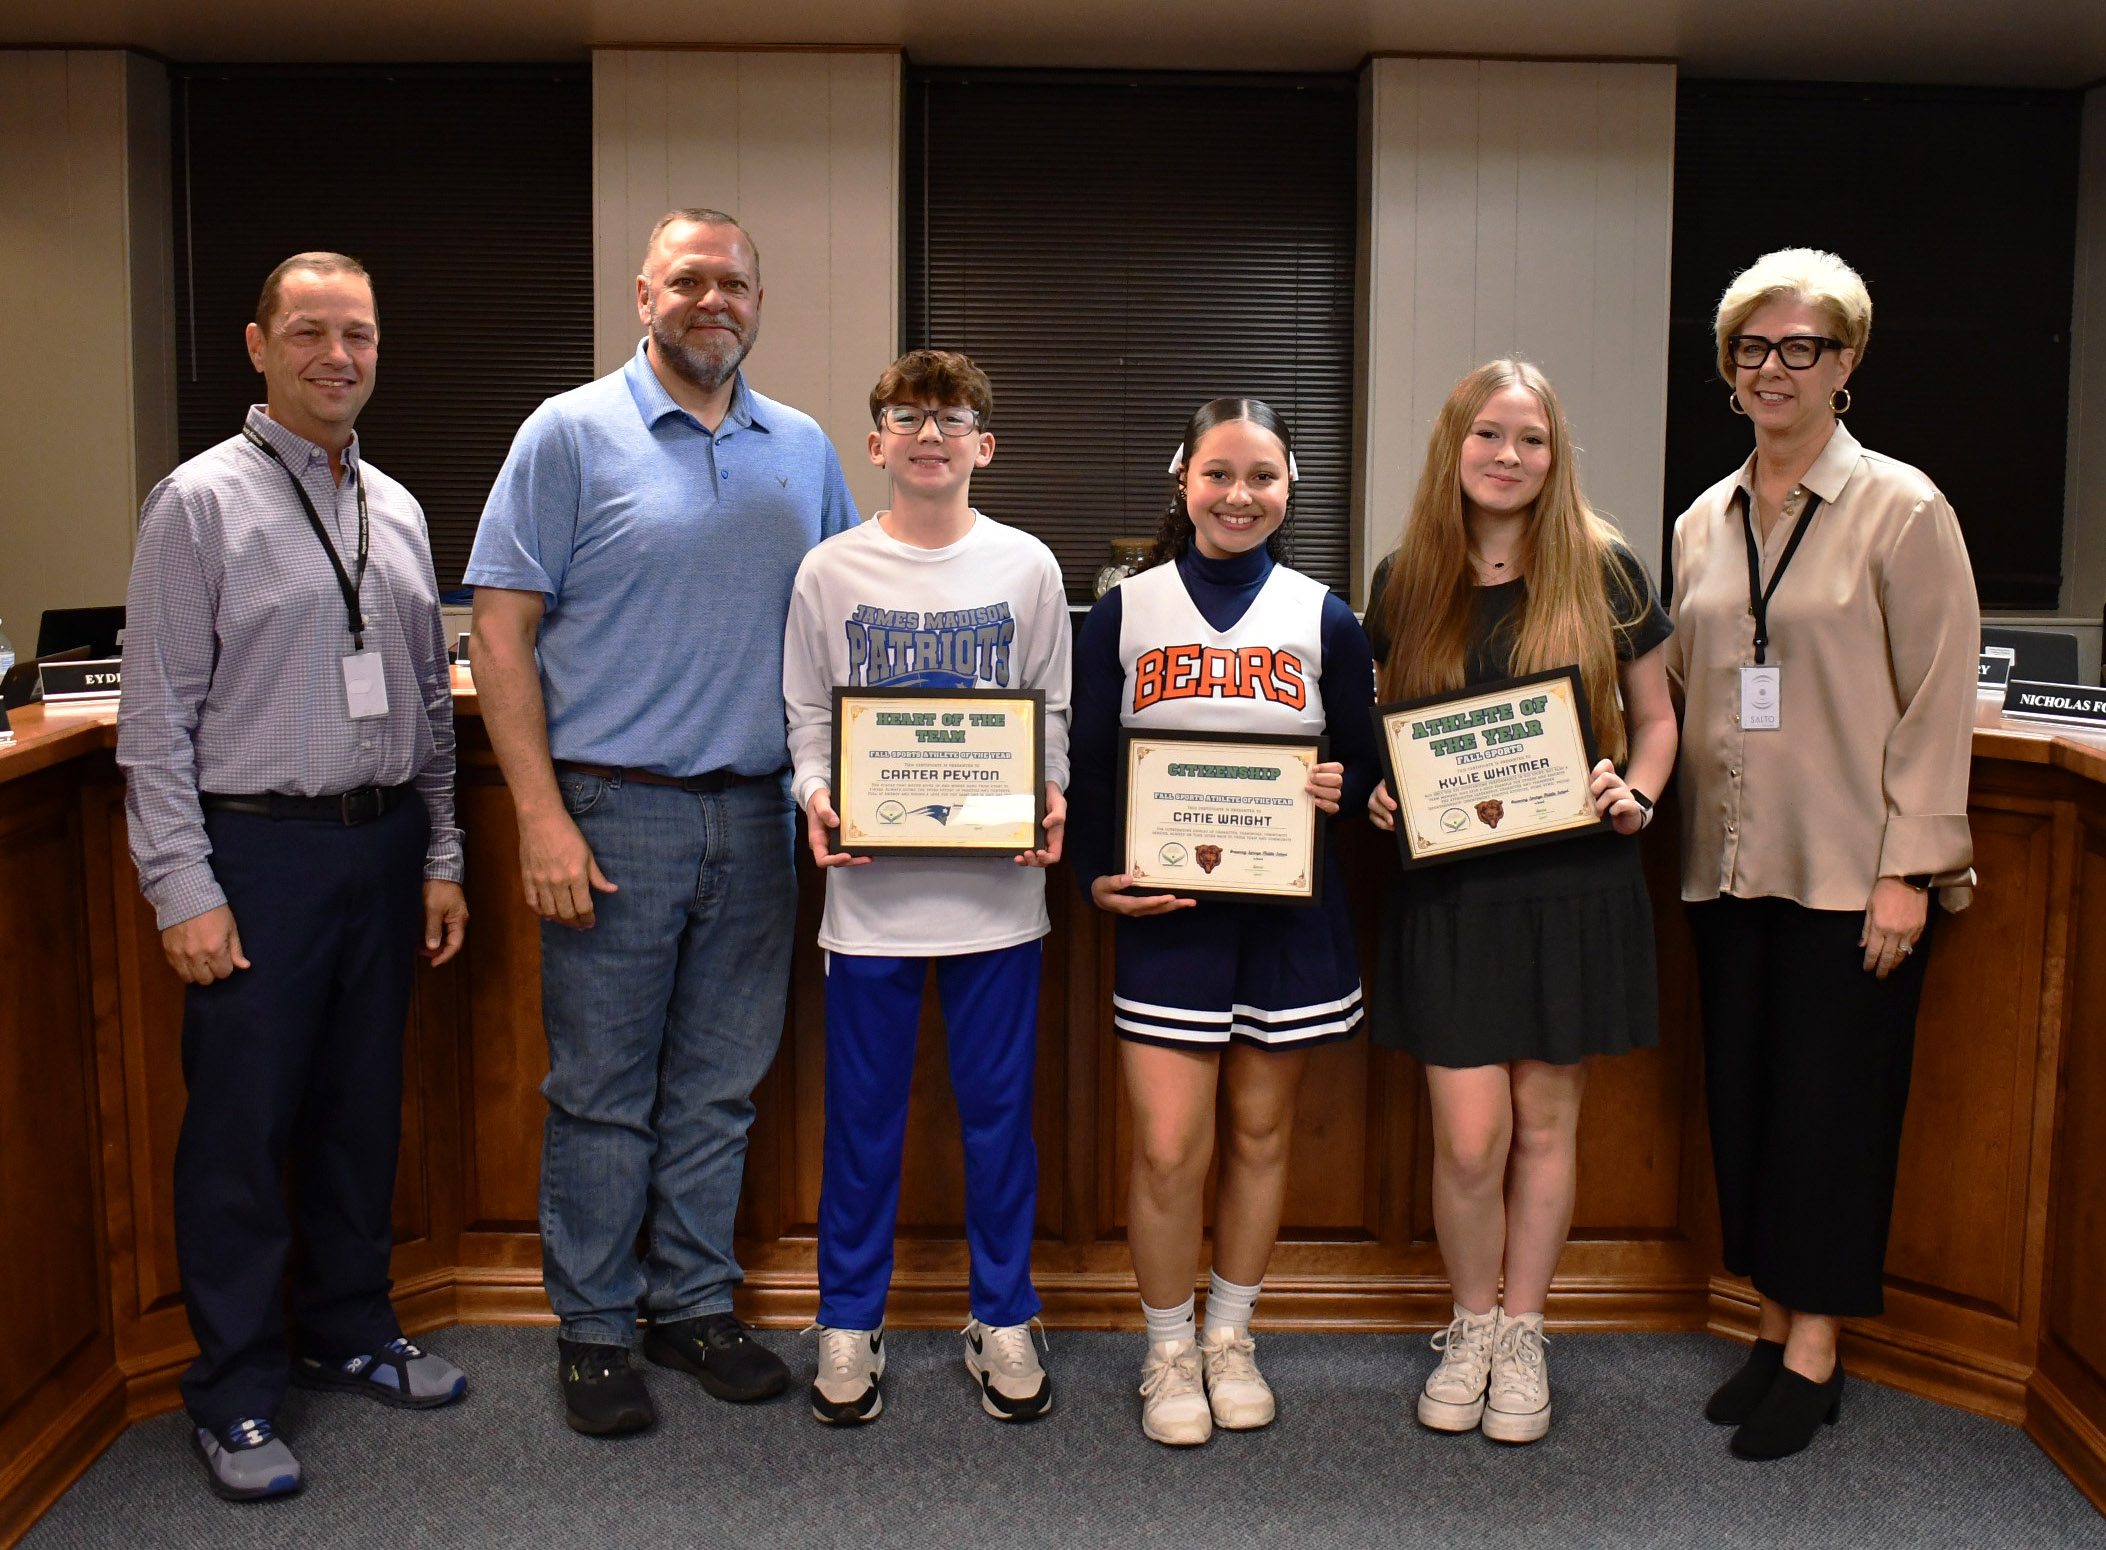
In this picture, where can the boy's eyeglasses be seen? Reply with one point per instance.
(907, 420)
(1797, 351)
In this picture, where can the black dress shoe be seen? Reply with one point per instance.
(603, 1396)
(1789, 1414)
(1733, 1401)
(716, 1348)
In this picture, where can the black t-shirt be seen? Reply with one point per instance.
(1632, 597)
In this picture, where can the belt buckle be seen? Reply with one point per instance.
(357, 807)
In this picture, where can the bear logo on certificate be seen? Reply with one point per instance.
(1209, 857)
(1490, 812)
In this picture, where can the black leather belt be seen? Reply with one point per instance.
(347, 808)
(708, 781)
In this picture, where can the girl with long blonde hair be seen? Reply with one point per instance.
(1502, 973)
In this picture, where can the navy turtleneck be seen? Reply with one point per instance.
(1222, 591)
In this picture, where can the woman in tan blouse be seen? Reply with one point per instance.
(1826, 732)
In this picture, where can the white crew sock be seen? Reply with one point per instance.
(1170, 1326)
(1229, 1305)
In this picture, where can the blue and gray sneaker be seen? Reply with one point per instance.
(398, 1374)
(245, 1461)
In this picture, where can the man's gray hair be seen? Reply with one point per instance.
(700, 215)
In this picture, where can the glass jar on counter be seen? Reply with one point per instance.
(1127, 556)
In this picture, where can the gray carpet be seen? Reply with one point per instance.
(1629, 1462)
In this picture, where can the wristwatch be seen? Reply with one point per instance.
(1645, 804)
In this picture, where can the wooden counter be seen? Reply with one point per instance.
(1999, 1241)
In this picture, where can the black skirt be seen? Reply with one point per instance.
(1542, 953)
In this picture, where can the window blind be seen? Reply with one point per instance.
(1116, 250)
(466, 192)
(1959, 207)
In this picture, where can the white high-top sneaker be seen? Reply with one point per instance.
(851, 1361)
(1518, 1407)
(1453, 1398)
(1174, 1397)
(1240, 1397)
(1005, 1364)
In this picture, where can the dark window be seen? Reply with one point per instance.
(467, 192)
(1959, 208)
(1117, 250)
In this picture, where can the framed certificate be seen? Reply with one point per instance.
(1221, 815)
(939, 772)
(1490, 768)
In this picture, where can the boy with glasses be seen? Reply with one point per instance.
(928, 594)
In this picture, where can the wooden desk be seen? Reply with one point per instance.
(1999, 1241)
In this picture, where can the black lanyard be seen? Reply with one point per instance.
(348, 585)
(1758, 597)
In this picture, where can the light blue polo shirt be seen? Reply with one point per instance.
(664, 556)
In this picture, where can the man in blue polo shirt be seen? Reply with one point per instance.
(641, 541)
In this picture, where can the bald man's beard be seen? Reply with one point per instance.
(707, 362)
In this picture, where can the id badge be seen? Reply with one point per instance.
(1761, 698)
(365, 686)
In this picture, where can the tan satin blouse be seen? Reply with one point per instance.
(1877, 631)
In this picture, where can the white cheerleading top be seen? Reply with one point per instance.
(1259, 675)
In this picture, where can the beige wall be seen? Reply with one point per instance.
(1516, 209)
(87, 338)
(803, 146)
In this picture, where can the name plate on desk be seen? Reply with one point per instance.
(1993, 669)
(65, 681)
(7, 733)
(1224, 815)
(2071, 704)
(1490, 768)
(939, 772)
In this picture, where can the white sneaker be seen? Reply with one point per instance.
(1453, 1398)
(1174, 1406)
(1237, 1392)
(1004, 1362)
(851, 1361)
(1518, 1408)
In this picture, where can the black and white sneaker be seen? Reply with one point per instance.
(851, 1362)
(1004, 1363)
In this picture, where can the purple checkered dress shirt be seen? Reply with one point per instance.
(234, 638)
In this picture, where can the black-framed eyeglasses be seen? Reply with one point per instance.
(1797, 351)
(908, 419)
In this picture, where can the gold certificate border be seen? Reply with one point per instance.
(1409, 766)
(1307, 752)
(859, 834)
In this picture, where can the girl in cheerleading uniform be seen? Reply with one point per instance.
(1214, 635)
(1502, 972)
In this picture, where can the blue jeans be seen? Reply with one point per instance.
(661, 1020)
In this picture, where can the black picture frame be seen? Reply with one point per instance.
(1382, 713)
(1037, 697)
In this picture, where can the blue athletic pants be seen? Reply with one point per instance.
(990, 1013)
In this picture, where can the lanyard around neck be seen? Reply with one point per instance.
(1759, 596)
(350, 586)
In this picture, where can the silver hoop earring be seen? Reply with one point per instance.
(1844, 407)
(1733, 399)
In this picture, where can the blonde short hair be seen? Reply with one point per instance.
(1802, 274)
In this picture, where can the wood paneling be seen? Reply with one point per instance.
(1999, 1237)
(803, 147)
(1517, 209)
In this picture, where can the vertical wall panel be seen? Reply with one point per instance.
(1518, 209)
(85, 333)
(802, 146)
